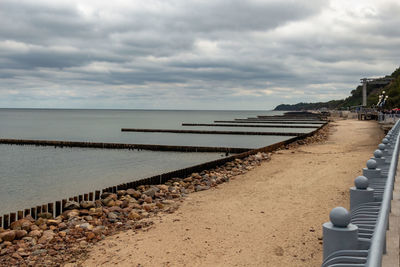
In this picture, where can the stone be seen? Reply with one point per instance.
(20, 233)
(62, 234)
(201, 188)
(150, 192)
(121, 193)
(97, 212)
(90, 235)
(39, 252)
(35, 233)
(46, 237)
(147, 207)
(148, 199)
(8, 235)
(133, 216)
(112, 215)
(45, 215)
(87, 204)
(105, 195)
(134, 193)
(86, 226)
(71, 205)
(22, 224)
(53, 222)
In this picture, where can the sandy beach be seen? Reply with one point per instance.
(270, 216)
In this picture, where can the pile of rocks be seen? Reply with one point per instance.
(50, 241)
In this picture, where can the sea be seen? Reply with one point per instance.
(33, 175)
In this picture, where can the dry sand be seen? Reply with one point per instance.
(270, 216)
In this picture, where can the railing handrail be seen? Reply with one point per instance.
(378, 240)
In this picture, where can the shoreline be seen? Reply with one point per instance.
(55, 241)
(270, 216)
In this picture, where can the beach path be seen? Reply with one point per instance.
(270, 216)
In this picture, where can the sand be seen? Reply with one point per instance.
(270, 216)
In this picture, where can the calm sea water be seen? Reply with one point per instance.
(32, 175)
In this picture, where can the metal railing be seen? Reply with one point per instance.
(358, 237)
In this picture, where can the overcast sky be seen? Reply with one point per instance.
(191, 54)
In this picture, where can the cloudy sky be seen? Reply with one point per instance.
(191, 54)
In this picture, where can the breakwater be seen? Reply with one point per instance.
(209, 132)
(249, 125)
(57, 207)
(122, 146)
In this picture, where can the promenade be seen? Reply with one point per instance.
(270, 216)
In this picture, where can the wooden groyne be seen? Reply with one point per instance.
(248, 125)
(269, 121)
(209, 132)
(123, 146)
(57, 207)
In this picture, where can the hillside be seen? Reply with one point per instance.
(355, 99)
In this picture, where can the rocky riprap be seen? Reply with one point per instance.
(50, 241)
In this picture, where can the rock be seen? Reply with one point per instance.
(62, 234)
(87, 204)
(83, 244)
(71, 205)
(35, 233)
(46, 237)
(112, 215)
(86, 226)
(105, 195)
(53, 222)
(8, 235)
(201, 188)
(97, 212)
(22, 224)
(150, 192)
(70, 214)
(109, 201)
(147, 207)
(188, 179)
(45, 215)
(39, 252)
(134, 193)
(90, 235)
(121, 193)
(163, 187)
(134, 216)
(148, 199)
(20, 234)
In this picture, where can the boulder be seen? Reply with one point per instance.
(8, 235)
(45, 215)
(134, 216)
(87, 204)
(46, 237)
(71, 205)
(22, 224)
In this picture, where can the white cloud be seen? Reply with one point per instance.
(191, 54)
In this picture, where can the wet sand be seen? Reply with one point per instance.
(270, 216)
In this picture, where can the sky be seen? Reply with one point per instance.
(180, 54)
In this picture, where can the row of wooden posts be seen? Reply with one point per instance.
(58, 207)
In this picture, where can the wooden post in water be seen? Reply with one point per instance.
(6, 220)
(75, 198)
(86, 197)
(33, 213)
(50, 208)
(44, 208)
(91, 196)
(64, 201)
(20, 215)
(1, 221)
(58, 208)
(96, 195)
(27, 212)
(80, 198)
(38, 211)
(13, 217)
